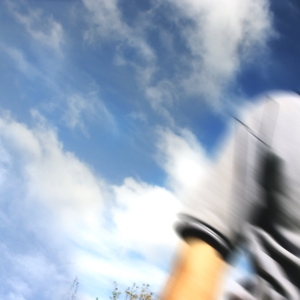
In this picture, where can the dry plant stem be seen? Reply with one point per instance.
(197, 273)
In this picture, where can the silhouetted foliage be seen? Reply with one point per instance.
(133, 293)
(71, 294)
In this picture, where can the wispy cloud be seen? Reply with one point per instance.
(77, 108)
(219, 40)
(40, 26)
(137, 115)
(19, 59)
(21, 62)
(106, 21)
(81, 109)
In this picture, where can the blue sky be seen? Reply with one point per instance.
(109, 111)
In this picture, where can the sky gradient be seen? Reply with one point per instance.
(109, 111)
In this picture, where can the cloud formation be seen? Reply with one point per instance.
(81, 109)
(219, 39)
(109, 232)
(222, 37)
(48, 198)
(183, 159)
(46, 167)
(40, 26)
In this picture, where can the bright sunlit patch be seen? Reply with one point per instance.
(187, 170)
(183, 159)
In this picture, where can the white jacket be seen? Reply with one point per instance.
(233, 193)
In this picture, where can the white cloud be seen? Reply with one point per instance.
(5, 160)
(30, 275)
(58, 203)
(40, 26)
(139, 243)
(138, 116)
(111, 232)
(53, 180)
(183, 159)
(20, 61)
(77, 109)
(144, 218)
(220, 38)
(145, 214)
(124, 271)
(66, 205)
(81, 109)
(106, 21)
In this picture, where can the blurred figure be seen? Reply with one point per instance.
(252, 193)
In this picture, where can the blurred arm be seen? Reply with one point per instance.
(197, 273)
